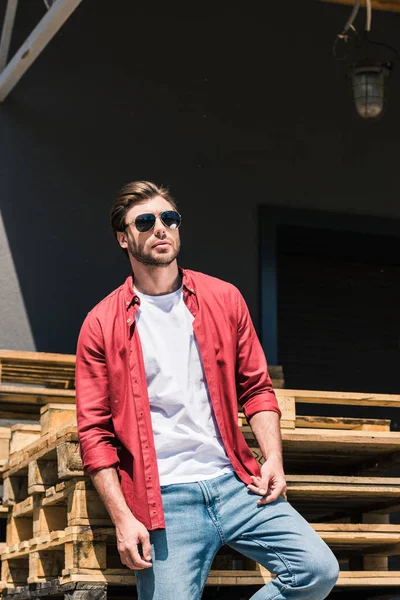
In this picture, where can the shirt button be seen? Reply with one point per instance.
(149, 478)
(128, 321)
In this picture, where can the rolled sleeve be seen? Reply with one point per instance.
(95, 427)
(254, 386)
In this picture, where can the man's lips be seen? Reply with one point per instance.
(162, 244)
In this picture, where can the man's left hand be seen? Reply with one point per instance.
(272, 482)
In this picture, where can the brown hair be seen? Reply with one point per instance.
(131, 194)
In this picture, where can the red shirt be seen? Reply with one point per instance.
(111, 391)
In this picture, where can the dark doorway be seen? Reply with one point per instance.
(338, 309)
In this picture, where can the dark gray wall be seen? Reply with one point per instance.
(233, 105)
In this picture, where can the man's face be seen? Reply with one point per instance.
(158, 247)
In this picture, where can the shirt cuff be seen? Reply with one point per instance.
(261, 402)
(95, 460)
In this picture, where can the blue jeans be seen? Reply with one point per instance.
(204, 516)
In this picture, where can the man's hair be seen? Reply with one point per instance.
(134, 193)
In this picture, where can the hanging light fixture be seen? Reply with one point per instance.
(368, 83)
(368, 76)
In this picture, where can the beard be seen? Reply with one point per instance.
(146, 257)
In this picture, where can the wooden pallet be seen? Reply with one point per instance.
(78, 553)
(329, 452)
(332, 498)
(58, 528)
(42, 464)
(75, 502)
(99, 590)
(69, 517)
(37, 368)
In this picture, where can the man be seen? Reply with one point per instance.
(161, 364)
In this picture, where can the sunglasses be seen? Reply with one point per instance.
(171, 219)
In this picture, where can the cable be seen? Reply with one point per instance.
(369, 15)
(352, 18)
(343, 36)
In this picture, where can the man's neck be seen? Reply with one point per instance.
(156, 281)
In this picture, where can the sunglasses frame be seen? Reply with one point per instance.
(156, 216)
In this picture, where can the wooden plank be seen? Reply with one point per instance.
(5, 435)
(42, 357)
(343, 423)
(35, 395)
(341, 496)
(373, 562)
(41, 475)
(23, 509)
(288, 408)
(348, 398)
(336, 439)
(23, 435)
(85, 555)
(44, 566)
(53, 416)
(18, 530)
(363, 579)
(47, 519)
(388, 5)
(69, 460)
(15, 489)
(369, 482)
(86, 507)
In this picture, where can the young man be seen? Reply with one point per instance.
(161, 364)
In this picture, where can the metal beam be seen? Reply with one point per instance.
(6, 33)
(390, 5)
(44, 31)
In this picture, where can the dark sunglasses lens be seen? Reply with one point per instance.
(145, 222)
(171, 218)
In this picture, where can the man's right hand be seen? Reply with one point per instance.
(131, 534)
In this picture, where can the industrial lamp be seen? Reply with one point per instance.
(367, 75)
(368, 83)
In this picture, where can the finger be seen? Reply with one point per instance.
(138, 561)
(146, 548)
(268, 499)
(261, 482)
(256, 490)
(272, 496)
(126, 560)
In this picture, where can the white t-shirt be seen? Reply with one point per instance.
(187, 441)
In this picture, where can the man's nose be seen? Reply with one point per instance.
(159, 226)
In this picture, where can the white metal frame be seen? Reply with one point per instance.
(44, 31)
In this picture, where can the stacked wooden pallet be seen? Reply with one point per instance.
(58, 529)
(59, 538)
(29, 380)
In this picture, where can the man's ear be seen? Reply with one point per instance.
(122, 239)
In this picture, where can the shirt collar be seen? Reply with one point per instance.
(132, 298)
